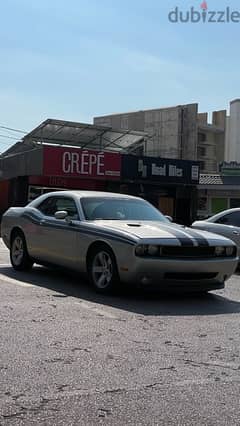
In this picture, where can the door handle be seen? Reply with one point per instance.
(236, 233)
(42, 222)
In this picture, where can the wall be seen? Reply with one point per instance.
(214, 143)
(232, 151)
(22, 164)
(173, 131)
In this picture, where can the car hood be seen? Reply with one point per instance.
(155, 230)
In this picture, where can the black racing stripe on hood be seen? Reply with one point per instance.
(181, 236)
(202, 241)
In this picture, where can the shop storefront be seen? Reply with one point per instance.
(64, 155)
(170, 185)
(217, 193)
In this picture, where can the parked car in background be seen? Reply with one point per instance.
(116, 238)
(226, 223)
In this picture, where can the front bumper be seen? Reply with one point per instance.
(197, 274)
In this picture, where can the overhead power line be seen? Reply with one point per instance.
(13, 130)
(9, 137)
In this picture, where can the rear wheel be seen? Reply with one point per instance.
(19, 256)
(102, 270)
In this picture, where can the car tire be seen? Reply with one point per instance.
(102, 270)
(19, 256)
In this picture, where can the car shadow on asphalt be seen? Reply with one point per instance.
(136, 300)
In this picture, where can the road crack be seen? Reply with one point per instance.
(210, 364)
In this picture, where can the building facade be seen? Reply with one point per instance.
(211, 141)
(178, 132)
(173, 130)
(59, 155)
(232, 142)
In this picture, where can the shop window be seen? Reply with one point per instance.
(234, 202)
(34, 192)
(218, 205)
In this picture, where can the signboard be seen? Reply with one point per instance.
(230, 169)
(74, 162)
(160, 169)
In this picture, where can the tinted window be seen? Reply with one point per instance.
(230, 219)
(120, 209)
(68, 205)
(53, 204)
(46, 206)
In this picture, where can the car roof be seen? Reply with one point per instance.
(91, 194)
(82, 194)
(222, 213)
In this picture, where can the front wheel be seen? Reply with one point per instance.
(19, 256)
(102, 270)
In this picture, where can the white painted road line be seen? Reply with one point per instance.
(6, 279)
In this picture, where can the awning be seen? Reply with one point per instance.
(85, 136)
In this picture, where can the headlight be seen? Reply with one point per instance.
(147, 250)
(153, 250)
(230, 251)
(219, 251)
(141, 250)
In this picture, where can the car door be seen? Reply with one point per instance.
(57, 238)
(227, 225)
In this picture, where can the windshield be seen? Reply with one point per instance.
(120, 209)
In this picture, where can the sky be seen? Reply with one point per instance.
(76, 59)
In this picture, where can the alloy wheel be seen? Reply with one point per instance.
(102, 270)
(17, 250)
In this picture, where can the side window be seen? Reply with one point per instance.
(53, 204)
(46, 206)
(67, 204)
(230, 219)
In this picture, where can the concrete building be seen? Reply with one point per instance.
(211, 141)
(232, 142)
(173, 130)
(178, 132)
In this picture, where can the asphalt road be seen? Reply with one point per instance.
(71, 357)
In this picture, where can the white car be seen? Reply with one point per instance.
(226, 223)
(116, 238)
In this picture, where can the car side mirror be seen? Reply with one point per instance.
(61, 215)
(169, 218)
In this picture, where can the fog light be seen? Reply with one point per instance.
(153, 250)
(219, 251)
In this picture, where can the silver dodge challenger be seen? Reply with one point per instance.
(115, 238)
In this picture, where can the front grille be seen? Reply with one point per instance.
(189, 252)
(190, 276)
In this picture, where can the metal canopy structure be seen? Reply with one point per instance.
(85, 136)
